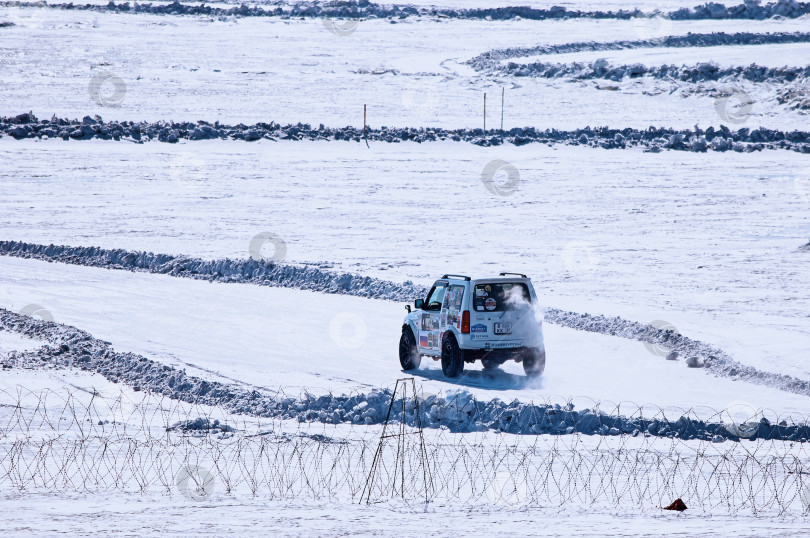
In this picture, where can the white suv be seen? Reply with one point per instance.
(463, 320)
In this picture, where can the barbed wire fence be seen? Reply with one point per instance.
(82, 441)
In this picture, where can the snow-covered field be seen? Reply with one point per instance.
(714, 244)
(670, 236)
(409, 73)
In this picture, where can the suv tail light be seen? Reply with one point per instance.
(465, 322)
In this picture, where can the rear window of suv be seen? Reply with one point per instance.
(501, 296)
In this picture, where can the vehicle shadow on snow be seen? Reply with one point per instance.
(496, 379)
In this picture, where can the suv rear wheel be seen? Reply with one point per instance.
(452, 357)
(409, 357)
(534, 361)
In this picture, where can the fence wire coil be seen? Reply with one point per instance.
(78, 441)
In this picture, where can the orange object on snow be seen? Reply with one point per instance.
(677, 505)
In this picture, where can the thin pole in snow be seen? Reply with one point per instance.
(485, 111)
(365, 137)
(503, 91)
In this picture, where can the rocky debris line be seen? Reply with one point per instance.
(651, 139)
(459, 411)
(202, 426)
(695, 352)
(796, 97)
(363, 9)
(495, 61)
(492, 58)
(702, 72)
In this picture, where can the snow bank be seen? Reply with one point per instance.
(702, 72)
(696, 353)
(458, 411)
(265, 273)
(355, 9)
(492, 61)
(715, 39)
(653, 138)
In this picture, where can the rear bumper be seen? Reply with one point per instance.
(466, 342)
(497, 355)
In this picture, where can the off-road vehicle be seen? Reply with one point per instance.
(462, 320)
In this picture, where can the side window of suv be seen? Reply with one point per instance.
(436, 297)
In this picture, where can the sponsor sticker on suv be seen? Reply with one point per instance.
(478, 332)
(498, 345)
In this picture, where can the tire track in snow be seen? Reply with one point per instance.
(713, 359)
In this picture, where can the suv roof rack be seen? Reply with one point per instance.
(463, 277)
(504, 273)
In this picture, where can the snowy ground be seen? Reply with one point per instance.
(297, 71)
(728, 269)
(647, 6)
(708, 242)
(134, 515)
(16, 342)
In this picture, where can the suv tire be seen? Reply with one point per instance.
(534, 361)
(409, 357)
(452, 357)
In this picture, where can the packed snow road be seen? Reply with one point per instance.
(304, 341)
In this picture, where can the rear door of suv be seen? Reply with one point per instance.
(502, 315)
